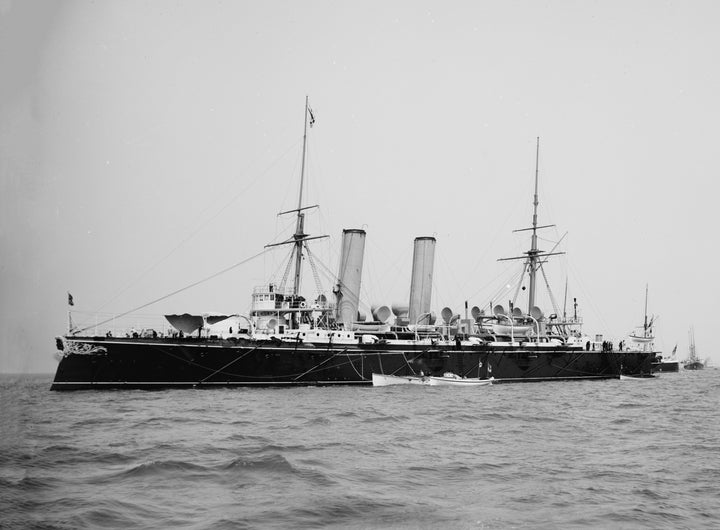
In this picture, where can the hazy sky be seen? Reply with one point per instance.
(147, 145)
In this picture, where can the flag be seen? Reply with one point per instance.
(312, 116)
(70, 299)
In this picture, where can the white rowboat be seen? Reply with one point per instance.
(635, 378)
(450, 379)
(388, 380)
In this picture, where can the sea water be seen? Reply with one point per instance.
(586, 454)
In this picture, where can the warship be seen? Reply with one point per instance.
(287, 339)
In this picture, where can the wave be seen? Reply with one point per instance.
(94, 421)
(385, 418)
(225, 523)
(274, 466)
(273, 463)
(632, 405)
(31, 484)
(240, 437)
(156, 421)
(649, 494)
(519, 456)
(320, 420)
(164, 468)
(50, 456)
(173, 470)
(277, 448)
(98, 513)
(346, 511)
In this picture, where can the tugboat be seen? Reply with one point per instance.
(643, 339)
(692, 362)
(671, 364)
(290, 340)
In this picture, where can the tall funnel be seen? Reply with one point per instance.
(349, 276)
(421, 282)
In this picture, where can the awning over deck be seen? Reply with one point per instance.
(188, 323)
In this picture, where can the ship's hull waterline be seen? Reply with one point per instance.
(159, 363)
(666, 366)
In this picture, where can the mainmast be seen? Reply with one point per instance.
(532, 256)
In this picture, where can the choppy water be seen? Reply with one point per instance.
(608, 454)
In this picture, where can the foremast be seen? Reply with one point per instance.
(299, 239)
(300, 235)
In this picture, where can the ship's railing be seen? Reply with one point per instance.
(287, 305)
(566, 322)
(100, 324)
(87, 324)
(268, 289)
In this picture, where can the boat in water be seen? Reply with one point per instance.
(450, 379)
(636, 378)
(392, 380)
(692, 362)
(669, 364)
(643, 338)
(288, 339)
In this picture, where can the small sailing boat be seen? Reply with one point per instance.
(692, 362)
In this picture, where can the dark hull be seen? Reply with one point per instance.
(668, 366)
(163, 363)
(697, 365)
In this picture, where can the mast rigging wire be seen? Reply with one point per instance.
(199, 227)
(177, 291)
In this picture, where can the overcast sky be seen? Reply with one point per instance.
(147, 145)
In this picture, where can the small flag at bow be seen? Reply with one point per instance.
(70, 299)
